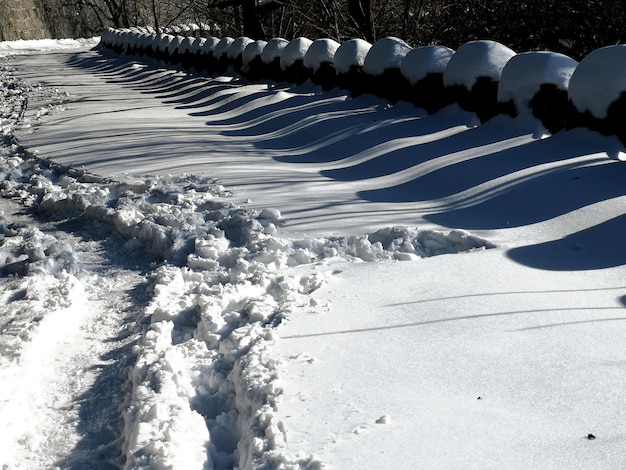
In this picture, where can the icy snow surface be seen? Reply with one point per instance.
(386, 53)
(202, 274)
(476, 59)
(351, 53)
(599, 80)
(524, 74)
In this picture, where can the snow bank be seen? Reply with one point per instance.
(386, 53)
(421, 61)
(319, 52)
(294, 51)
(524, 74)
(476, 59)
(599, 80)
(21, 46)
(351, 53)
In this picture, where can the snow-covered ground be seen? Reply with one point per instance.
(204, 273)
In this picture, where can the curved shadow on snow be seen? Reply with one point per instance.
(597, 247)
(402, 159)
(456, 177)
(447, 320)
(543, 196)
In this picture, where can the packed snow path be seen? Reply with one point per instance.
(260, 353)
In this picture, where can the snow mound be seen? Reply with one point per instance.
(253, 50)
(237, 47)
(320, 51)
(222, 46)
(351, 53)
(197, 45)
(386, 53)
(524, 74)
(21, 45)
(185, 44)
(294, 51)
(476, 59)
(599, 80)
(274, 49)
(421, 61)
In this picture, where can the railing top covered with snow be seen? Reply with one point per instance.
(484, 77)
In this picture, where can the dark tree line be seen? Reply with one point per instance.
(573, 27)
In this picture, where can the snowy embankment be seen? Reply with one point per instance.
(204, 380)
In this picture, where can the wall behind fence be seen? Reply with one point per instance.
(22, 19)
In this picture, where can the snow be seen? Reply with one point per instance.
(210, 44)
(273, 49)
(421, 61)
(386, 53)
(476, 59)
(524, 74)
(164, 41)
(294, 51)
(237, 47)
(222, 46)
(320, 51)
(253, 50)
(351, 53)
(599, 80)
(200, 273)
(21, 46)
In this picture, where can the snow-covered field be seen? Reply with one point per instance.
(205, 273)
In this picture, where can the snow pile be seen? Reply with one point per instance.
(294, 51)
(319, 52)
(351, 53)
(524, 74)
(273, 50)
(421, 61)
(474, 60)
(599, 80)
(386, 53)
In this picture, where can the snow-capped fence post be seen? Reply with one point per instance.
(423, 68)
(292, 61)
(252, 65)
(597, 90)
(472, 76)
(270, 57)
(222, 62)
(319, 60)
(348, 61)
(537, 82)
(383, 77)
(234, 53)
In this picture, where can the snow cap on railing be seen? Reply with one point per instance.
(476, 59)
(386, 53)
(294, 51)
(421, 61)
(320, 51)
(351, 53)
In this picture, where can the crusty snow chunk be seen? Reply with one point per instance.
(524, 74)
(320, 51)
(599, 79)
(222, 47)
(351, 53)
(253, 50)
(294, 51)
(273, 49)
(386, 53)
(237, 47)
(476, 59)
(425, 60)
